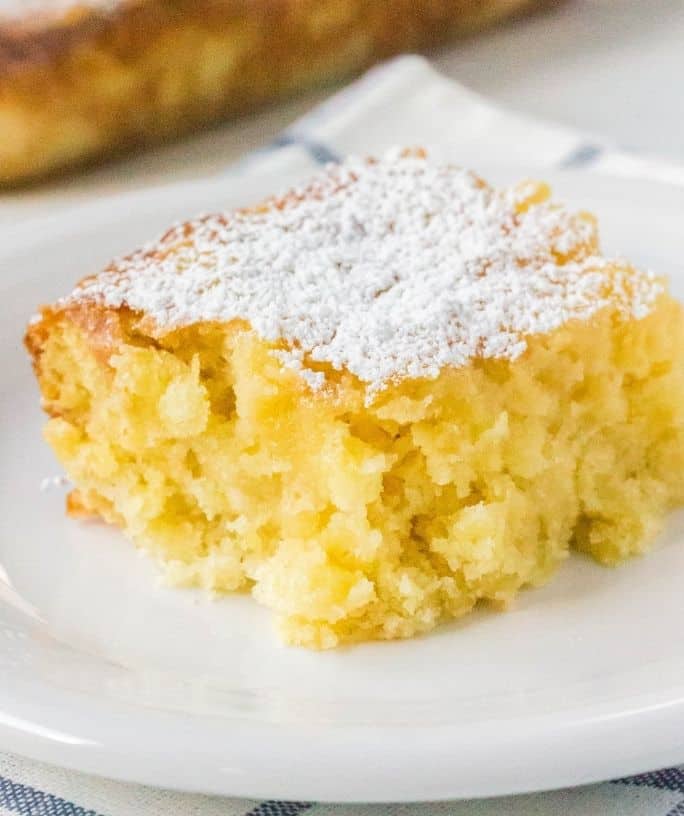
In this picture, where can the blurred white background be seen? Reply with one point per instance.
(614, 67)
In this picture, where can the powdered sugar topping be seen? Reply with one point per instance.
(390, 269)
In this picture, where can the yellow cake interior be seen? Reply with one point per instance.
(355, 520)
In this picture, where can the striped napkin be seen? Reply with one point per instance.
(403, 102)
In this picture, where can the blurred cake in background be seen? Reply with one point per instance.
(84, 79)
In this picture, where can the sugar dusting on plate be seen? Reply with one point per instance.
(49, 483)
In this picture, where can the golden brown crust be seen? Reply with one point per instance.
(105, 329)
(96, 81)
(76, 507)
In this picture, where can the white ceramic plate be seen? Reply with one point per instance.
(103, 671)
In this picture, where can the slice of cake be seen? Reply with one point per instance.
(372, 402)
(82, 80)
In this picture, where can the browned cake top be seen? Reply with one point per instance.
(31, 11)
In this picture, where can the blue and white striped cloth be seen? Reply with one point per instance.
(30, 789)
(404, 102)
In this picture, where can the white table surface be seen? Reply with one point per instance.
(610, 67)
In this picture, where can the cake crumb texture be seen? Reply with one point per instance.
(357, 517)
